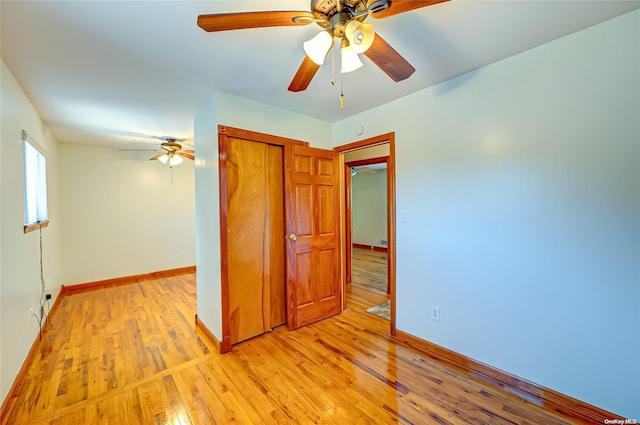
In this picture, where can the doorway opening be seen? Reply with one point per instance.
(368, 157)
(366, 223)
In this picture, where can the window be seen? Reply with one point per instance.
(35, 185)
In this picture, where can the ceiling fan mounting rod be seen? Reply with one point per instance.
(338, 22)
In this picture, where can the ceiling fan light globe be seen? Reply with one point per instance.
(318, 47)
(349, 59)
(163, 158)
(175, 160)
(360, 35)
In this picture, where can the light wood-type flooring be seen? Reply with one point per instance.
(132, 355)
(369, 269)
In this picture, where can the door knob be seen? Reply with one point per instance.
(291, 237)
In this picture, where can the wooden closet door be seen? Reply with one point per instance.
(277, 246)
(255, 238)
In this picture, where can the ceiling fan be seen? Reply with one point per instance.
(341, 19)
(173, 153)
(362, 170)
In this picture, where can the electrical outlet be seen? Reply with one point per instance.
(383, 242)
(403, 216)
(182, 253)
(435, 313)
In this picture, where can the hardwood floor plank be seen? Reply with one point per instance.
(362, 298)
(369, 269)
(131, 354)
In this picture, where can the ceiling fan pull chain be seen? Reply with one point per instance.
(341, 93)
(333, 67)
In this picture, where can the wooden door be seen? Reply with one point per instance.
(254, 241)
(313, 285)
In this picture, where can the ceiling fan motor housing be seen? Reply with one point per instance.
(171, 145)
(338, 13)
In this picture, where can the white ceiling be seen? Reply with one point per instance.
(117, 72)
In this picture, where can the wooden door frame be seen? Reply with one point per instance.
(224, 133)
(345, 177)
(348, 212)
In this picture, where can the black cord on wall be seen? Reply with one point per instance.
(42, 314)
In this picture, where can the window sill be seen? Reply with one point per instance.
(35, 226)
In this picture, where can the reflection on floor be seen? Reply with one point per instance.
(370, 269)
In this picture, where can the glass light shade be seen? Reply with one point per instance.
(360, 35)
(350, 60)
(318, 47)
(175, 160)
(163, 158)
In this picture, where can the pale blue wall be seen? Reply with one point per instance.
(248, 114)
(521, 183)
(208, 216)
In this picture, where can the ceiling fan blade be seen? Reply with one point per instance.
(138, 150)
(242, 20)
(388, 60)
(186, 154)
(305, 74)
(401, 6)
(157, 156)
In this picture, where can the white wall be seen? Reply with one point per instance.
(248, 114)
(122, 215)
(226, 109)
(369, 208)
(521, 183)
(20, 286)
(208, 216)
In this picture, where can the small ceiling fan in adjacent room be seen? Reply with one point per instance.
(341, 19)
(362, 170)
(173, 153)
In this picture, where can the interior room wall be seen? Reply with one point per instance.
(369, 208)
(521, 186)
(20, 285)
(208, 216)
(122, 214)
(226, 109)
(248, 114)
